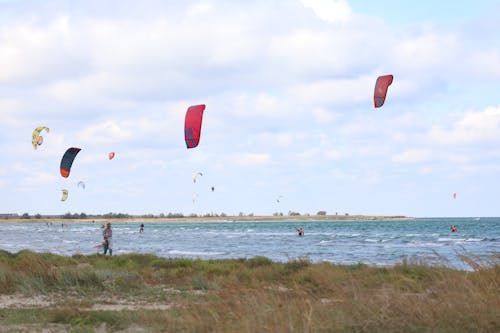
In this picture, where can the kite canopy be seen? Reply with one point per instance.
(381, 86)
(37, 139)
(192, 125)
(195, 176)
(67, 160)
(64, 195)
(454, 195)
(81, 184)
(111, 155)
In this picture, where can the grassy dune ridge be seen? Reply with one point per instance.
(135, 292)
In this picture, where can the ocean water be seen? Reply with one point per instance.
(377, 243)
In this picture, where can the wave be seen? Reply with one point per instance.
(475, 239)
(450, 240)
(325, 242)
(371, 240)
(194, 253)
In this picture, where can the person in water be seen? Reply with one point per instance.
(107, 234)
(300, 231)
(453, 228)
(141, 230)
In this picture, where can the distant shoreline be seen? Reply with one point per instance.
(260, 218)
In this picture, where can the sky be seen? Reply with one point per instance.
(288, 87)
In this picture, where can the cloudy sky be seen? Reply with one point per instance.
(288, 86)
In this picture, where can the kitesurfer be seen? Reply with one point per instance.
(141, 230)
(107, 234)
(300, 231)
(453, 228)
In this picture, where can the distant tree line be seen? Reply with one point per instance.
(112, 215)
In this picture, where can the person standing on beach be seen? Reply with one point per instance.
(107, 234)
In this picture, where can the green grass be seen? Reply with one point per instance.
(247, 295)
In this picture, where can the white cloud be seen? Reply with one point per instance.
(425, 170)
(321, 53)
(413, 156)
(324, 116)
(425, 51)
(8, 110)
(252, 159)
(33, 52)
(484, 63)
(38, 179)
(333, 154)
(267, 139)
(472, 127)
(258, 106)
(200, 9)
(457, 158)
(330, 10)
(372, 150)
(107, 132)
(336, 91)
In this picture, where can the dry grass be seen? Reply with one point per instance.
(256, 295)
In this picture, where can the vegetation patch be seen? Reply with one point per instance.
(136, 292)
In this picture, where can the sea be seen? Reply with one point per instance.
(371, 242)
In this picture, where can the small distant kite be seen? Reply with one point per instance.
(111, 155)
(381, 86)
(67, 161)
(64, 195)
(279, 198)
(37, 139)
(213, 188)
(81, 184)
(192, 125)
(454, 195)
(195, 176)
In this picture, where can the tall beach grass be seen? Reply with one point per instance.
(145, 292)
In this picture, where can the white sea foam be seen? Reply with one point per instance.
(474, 239)
(325, 243)
(194, 253)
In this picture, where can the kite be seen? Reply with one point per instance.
(192, 125)
(111, 155)
(454, 195)
(278, 198)
(67, 160)
(64, 195)
(381, 86)
(195, 176)
(81, 183)
(37, 139)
